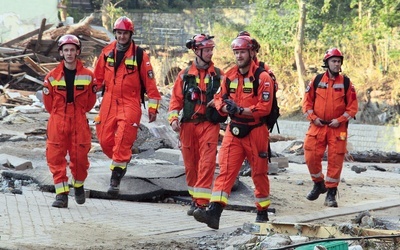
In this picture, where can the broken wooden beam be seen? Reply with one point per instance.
(35, 66)
(25, 36)
(41, 30)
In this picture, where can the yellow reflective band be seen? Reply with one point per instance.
(110, 60)
(233, 84)
(118, 164)
(206, 80)
(219, 199)
(153, 103)
(265, 203)
(199, 195)
(61, 187)
(81, 82)
(130, 61)
(248, 85)
(54, 82)
(173, 114)
(197, 80)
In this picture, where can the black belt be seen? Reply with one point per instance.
(325, 122)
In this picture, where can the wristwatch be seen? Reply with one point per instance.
(241, 109)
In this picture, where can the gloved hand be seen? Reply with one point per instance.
(152, 117)
(231, 106)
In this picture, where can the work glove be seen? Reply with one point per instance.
(152, 115)
(231, 106)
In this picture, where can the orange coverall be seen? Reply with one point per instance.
(120, 110)
(68, 129)
(328, 102)
(254, 146)
(199, 140)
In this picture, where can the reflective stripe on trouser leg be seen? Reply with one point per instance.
(61, 187)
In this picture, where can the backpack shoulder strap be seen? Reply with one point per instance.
(317, 80)
(346, 82)
(261, 64)
(139, 59)
(256, 81)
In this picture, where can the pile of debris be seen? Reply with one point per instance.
(25, 60)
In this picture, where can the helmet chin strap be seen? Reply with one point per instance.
(201, 57)
(334, 73)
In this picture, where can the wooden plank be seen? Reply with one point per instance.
(33, 79)
(41, 30)
(34, 65)
(14, 57)
(27, 35)
(10, 50)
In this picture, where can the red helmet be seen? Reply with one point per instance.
(69, 39)
(200, 41)
(123, 23)
(243, 33)
(333, 52)
(242, 42)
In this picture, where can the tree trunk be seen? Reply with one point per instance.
(105, 18)
(298, 50)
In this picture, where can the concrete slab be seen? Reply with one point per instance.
(156, 171)
(13, 162)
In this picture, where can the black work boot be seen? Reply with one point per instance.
(319, 188)
(192, 208)
(115, 180)
(80, 197)
(61, 201)
(262, 216)
(211, 216)
(330, 200)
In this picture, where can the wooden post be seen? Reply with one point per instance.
(41, 30)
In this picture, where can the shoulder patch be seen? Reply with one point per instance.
(150, 74)
(266, 96)
(46, 91)
(308, 88)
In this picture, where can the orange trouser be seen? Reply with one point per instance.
(68, 132)
(315, 143)
(199, 149)
(231, 156)
(117, 131)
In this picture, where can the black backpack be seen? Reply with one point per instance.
(272, 118)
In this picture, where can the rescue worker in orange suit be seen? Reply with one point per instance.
(246, 135)
(328, 108)
(120, 111)
(69, 92)
(193, 93)
(264, 65)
